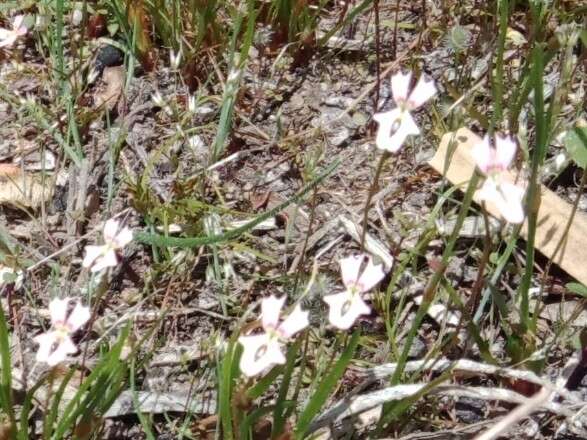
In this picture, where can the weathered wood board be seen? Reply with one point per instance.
(553, 213)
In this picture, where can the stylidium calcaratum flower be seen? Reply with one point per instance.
(262, 351)
(9, 36)
(497, 189)
(347, 306)
(103, 256)
(397, 124)
(56, 344)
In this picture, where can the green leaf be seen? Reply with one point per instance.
(326, 386)
(279, 413)
(6, 403)
(227, 375)
(576, 288)
(576, 144)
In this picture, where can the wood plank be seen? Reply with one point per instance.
(553, 213)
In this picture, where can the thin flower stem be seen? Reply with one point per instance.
(476, 289)
(372, 191)
(306, 240)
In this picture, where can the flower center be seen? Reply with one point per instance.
(494, 170)
(356, 288)
(260, 352)
(62, 330)
(395, 126)
(346, 306)
(275, 333)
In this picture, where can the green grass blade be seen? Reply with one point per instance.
(533, 197)
(6, 402)
(279, 415)
(226, 377)
(325, 387)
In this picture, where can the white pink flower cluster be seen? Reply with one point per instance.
(262, 351)
(56, 344)
(397, 124)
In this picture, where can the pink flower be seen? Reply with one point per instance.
(397, 124)
(263, 350)
(494, 162)
(56, 344)
(9, 36)
(101, 257)
(347, 306)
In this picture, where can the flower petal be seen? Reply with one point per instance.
(296, 321)
(46, 342)
(65, 347)
(92, 254)
(4, 33)
(510, 203)
(482, 154)
(8, 40)
(506, 197)
(400, 86)
(17, 22)
(349, 269)
(423, 91)
(58, 310)
(371, 275)
(394, 130)
(109, 259)
(78, 317)
(505, 151)
(345, 308)
(270, 311)
(110, 230)
(123, 238)
(259, 353)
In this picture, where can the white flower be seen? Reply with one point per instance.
(397, 124)
(263, 350)
(9, 36)
(101, 257)
(56, 344)
(496, 189)
(347, 306)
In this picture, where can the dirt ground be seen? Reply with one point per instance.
(293, 118)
